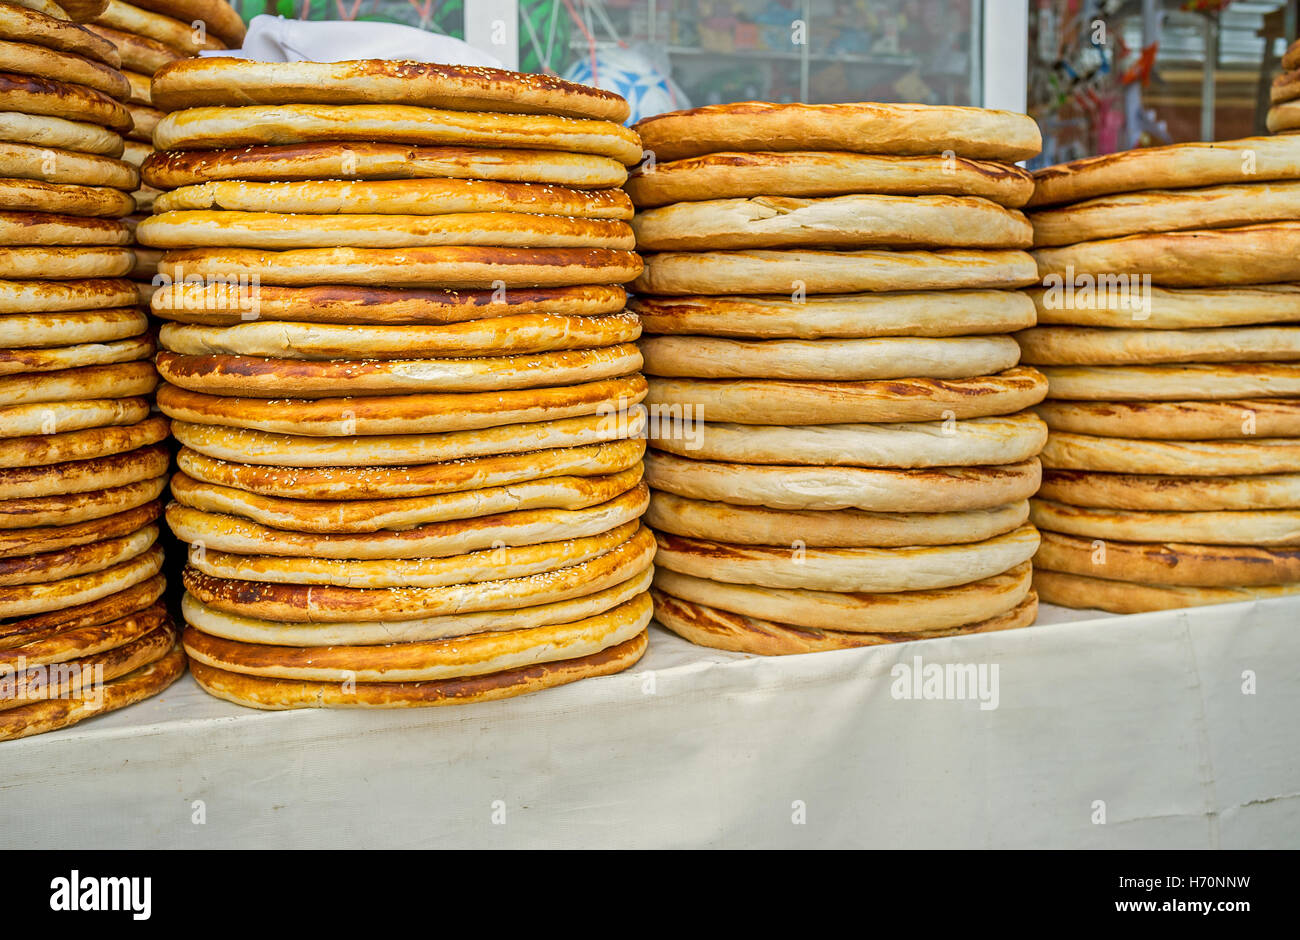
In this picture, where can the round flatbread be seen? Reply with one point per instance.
(1285, 87)
(439, 539)
(908, 612)
(459, 267)
(1167, 493)
(81, 476)
(1264, 527)
(62, 329)
(1176, 166)
(258, 692)
(831, 272)
(937, 313)
(524, 333)
(136, 686)
(30, 196)
(89, 639)
(1166, 210)
(1084, 345)
(1173, 564)
(849, 360)
(181, 36)
(1192, 381)
(69, 263)
(856, 569)
(68, 67)
(76, 385)
(51, 538)
(344, 483)
(837, 528)
(943, 489)
(1284, 116)
(83, 675)
(64, 167)
(46, 228)
(21, 25)
(73, 357)
(206, 128)
(316, 603)
(376, 514)
(399, 197)
(1248, 254)
(41, 296)
(1176, 420)
(974, 441)
(721, 629)
(26, 599)
(139, 94)
(413, 414)
(44, 449)
(379, 161)
(771, 401)
(812, 173)
(227, 303)
(247, 446)
(865, 128)
(496, 564)
(83, 559)
(66, 509)
(29, 94)
(234, 82)
(1158, 308)
(266, 378)
(854, 221)
(139, 53)
(62, 417)
(1127, 597)
(424, 660)
(143, 121)
(1066, 451)
(218, 17)
(133, 600)
(1291, 58)
(56, 133)
(225, 229)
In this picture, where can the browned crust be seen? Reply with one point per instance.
(218, 16)
(23, 25)
(50, 538)
(1168, 563)
(43, 450)
(105, 610)
(86, 640)
(80, 476)
(80, 559)
(138, 53)
(30, 94)
(59, 65)
(27, 296)
(1171, 493)
(259, 692)
(33, 685)
(1176, 420)
(1128, 597)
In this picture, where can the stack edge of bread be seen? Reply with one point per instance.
(1168, 332)
(404, 382)
(149, 34)
(82, 463)
(842, 449)
(1284, 96)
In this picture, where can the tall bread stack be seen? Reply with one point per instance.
(404, 382)
(1284, 96)
(1172, 471)
(842, 450)
(82, 463)
(149, 34)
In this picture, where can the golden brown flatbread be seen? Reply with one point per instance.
(45, 449)
(43, 62)
(32, 196)
(1176, 420)
(1067, 451)
(1260, 527)
(30, 94)
(1172, 493)
(59, 134)
(39, 296)
(44, 626)
(167, 29)
(64, 167)
(1174, 382)
(1129, 597)
(61, 417)
(22, 25)
(217, 16)
(80, 476)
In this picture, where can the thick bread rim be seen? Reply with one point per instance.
(1067, 451)
(82, 559)
(99, 262)
(56, 133)
(1179, 564)
(37, 330)
(45, 449)
(1176, 420)
(62, 416)
(27, 229)
(22, 542)
(1169, 308)
(33, 95)
(1174, 382)
(85, 640)
(161, 25)
(231, 82)
(27, 599)
(16, 633)
(1268, 528)
(83, 355)
(22, 25)
(218, 17)
(1097, 346)
(81, 476)
(36, 296)
(62, 66)
(1128, 597)
(19, 516)
(68, 168)
(1158, 493)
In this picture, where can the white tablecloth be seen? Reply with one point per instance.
(1142, 718)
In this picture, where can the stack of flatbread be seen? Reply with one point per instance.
(81, 460)
(1284, 96)
(1167, 330)
(406, 387)
(149, 34)
(842, 450)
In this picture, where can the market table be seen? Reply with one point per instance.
(1172, 729)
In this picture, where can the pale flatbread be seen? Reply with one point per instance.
(65, 263)
(1261, 527)
(866, 128)
(281, 231)
(1166, 210)
(473, 268)
(62, 417)
(415, 414)
(378, 161)
(49, 165)
(1066, 451)
(1082, 345)
(1169, 309)
(1176, 166)
(811, 173)
(1176, 420)
(32, 59)
(855, 221)
(247, 446)
(206, 128)
(29, 94)
(784, 487)
(399, 197)
(43, 449)
(971, 442)
(48, 229)
(80, 476)
(773, 401)
(267, 378)
(233, 82)
(1182, 382)
(907, 612)
(64, 329)
(56, 133)
(20, 25)
(1175, 494)
(936, 313)
(848, 360)
(1128, 597)
(30, 196)
(831, 272)
(71, 357)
